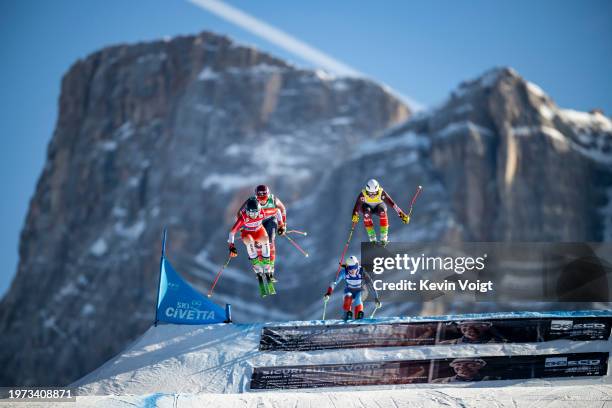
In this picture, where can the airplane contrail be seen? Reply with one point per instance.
(276, 36)
(287, 42)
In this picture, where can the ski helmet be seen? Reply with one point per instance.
(252, 207)
(372, 187)
(352, 263)
(262, 192)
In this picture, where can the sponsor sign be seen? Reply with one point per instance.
(440, 371)
(474, 331)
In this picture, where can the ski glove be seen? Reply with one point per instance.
(233, 251)
(355, 218)
(405, 218)
(281, 229)
(329, 292)
(377, 301)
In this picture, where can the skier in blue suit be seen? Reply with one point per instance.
(355, 278)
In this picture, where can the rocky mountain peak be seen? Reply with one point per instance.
(176, 133)
(169, 133)
(489, 79)
(493, 142)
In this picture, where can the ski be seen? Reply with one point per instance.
(263, 288)
(270, 285)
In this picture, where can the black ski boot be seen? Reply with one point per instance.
(348, 316)
(360, 315)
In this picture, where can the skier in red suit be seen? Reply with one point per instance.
(253, 234)
(270, 204)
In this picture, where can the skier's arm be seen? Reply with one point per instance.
(358, 203)
(239, 223)
(281, 222)
(279, 217)
(332, 285)
(279, 204)
(389, 201)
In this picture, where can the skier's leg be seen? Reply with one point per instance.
(348, 300)
(249, 243)
(271, 225)
(346, 306)
(358, 305)
(251, 239)
(381, 210)
(261, 237)
(272, 255)
(367, 222)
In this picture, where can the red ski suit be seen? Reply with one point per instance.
(271, 222)
(252, 232)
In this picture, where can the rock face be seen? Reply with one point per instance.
(170, 133)
(514, 166)
(499, 162)
(178, 133)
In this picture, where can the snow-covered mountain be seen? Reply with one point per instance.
(169, 133)
(178, 132)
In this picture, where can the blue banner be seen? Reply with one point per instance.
(179, 303)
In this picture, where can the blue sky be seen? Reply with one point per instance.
(420, 48)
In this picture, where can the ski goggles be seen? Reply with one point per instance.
(252, 214)
(352, 268)
(262, 197)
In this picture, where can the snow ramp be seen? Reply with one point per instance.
(233, 365)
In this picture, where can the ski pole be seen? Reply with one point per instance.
(325, 307)
(414, 197)
(299, 248)
(345, 249)
(210, 292)
(374, 311)
(296, 232)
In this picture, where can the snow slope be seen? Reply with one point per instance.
(536, 397)
(187, 366)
